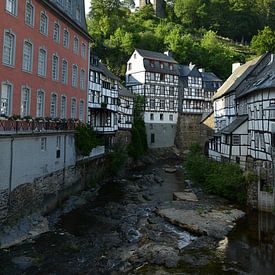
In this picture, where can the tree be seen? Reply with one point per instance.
(264, 41)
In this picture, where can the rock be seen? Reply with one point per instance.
(185, 196)
(159, 254)
(158, 179)
(23, 262)
(214, 223)
(170, 170)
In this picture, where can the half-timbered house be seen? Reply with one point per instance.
(155, 76)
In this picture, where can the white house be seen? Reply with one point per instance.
(155, 76)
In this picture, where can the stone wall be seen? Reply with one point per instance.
(45, 193)
(190, 130)
(123, 137)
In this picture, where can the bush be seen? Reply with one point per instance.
(85, 139)
(223, 179)
(118, 158)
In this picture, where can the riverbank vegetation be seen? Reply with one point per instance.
(224, 179)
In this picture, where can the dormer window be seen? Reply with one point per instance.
(77, 15)
(171, 67)
(152, 64)
(161, 65)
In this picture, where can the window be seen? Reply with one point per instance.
(53, 106)
(6, 99)
(58, 147)
(162, 104)
(64, 71)
(161, 116)
(171, 104)
(130, 66)
(151, 116)
(152, 103)
(68, 5)
(236, 139)
(171, 117)
(161, 65)
(83, 50)
(171, 67)
(262, 141)
(162, 90)
(43, 23)
(152, 138)
(152, 64)
(74, 76)
(73, 108)
(162, 77)
(66, 38)
(11, 6)
(9, 48)
(77, 14)
(25, 101)
(55, 67)
(63, 107)
(82, 79)
(171, 91)
(42, 62)
(29, 13)
(43, 144)
(81, 110)
(56, 32)
(76, 45)
(40, 103)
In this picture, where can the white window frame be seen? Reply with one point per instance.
(14, 5)
(55, 76)
(76, 45)
(46, 31)
(63, 111)
(53, 108)
(74, 76)
(42, 72)
(40, 113)
(9, 98)
(30, 61)
(11, 62)
(73, 114)
(56, 34)
(32, 18)
(83, 50)
(64, 75)
(66, 43)
(82, 79)
(26, 112)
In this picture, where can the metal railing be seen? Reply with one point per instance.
(34, 126)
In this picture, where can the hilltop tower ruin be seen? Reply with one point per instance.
(158, 5)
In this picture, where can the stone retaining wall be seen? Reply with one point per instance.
(45, 193)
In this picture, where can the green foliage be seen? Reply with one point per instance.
(85, 139)
(224, 179)
(264, 41)
(138, 145)
(118, 156)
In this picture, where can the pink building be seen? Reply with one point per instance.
(44, 58)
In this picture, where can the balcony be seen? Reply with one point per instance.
(36, 126)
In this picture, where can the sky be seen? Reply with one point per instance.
(87, 5)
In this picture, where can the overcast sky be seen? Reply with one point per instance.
(87, 5)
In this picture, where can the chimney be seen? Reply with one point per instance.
(168, 53)
(201, 70)
(235, 66)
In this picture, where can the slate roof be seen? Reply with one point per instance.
(209, 76)
(234, 125)
(70, 15)
(264, 80)
(186, 70)
(122, 91)
(236, 78)
(156, 56)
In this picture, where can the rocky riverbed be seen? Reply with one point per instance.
(131, 225)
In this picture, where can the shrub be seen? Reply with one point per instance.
(224, 179)
(85, 139)
(118, 157)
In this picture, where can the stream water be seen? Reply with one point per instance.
(84, 240)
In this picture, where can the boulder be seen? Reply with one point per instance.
(185, 196)
(170, 170)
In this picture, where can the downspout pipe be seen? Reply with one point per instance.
(11, 167)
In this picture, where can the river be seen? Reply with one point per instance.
(102, 236)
